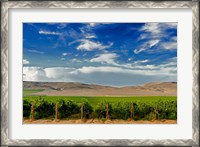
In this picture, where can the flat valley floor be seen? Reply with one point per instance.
(98, 121)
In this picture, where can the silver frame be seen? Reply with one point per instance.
(5, 141)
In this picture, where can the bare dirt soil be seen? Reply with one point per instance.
(97, 121)
(80, 89)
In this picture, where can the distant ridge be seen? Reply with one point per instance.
(81, 89)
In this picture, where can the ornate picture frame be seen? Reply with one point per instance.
(5, 130)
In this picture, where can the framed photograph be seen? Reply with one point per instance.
(100, 73)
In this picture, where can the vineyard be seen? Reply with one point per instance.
(77, 107)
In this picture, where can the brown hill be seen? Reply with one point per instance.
(80, 89)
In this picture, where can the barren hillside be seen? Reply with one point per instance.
(80, 89)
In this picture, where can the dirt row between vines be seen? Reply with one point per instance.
(97, 121)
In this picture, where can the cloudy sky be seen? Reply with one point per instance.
(115, 54)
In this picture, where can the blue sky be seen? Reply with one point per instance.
(115, 54)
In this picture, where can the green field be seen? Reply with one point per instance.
(31, 91)
(94, 101)
(73, 107)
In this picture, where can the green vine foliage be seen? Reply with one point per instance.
(43, 108)
(121, 110)
(26, 108)
(101, 110)
(87, 109)
(67, 108)
(157, 110)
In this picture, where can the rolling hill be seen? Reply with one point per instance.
(81, 89)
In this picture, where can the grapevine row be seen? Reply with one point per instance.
(67, 109)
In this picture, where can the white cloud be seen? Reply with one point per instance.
(137, 51)
(82, 29)
(143, 36)
(91, 69)
(88, 45)
(152, 43)
(141, 61)
(48, 32)
(171, 24)
(85, 29)
(36, 51)
(90, 36)
(173, 59)
(169, 45)
(56, 73)
(92, 24)
(46, 74)
(107, 69)
(153, 35)
(76, 60)
(25, 61)
(62, 26)
(64, 54)
(147, 45)
(105, 75)
(136, 65)
(130, 59)
(73, 42)
(34, 74)
(153, 28)
(105, 58)
(157, 29)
